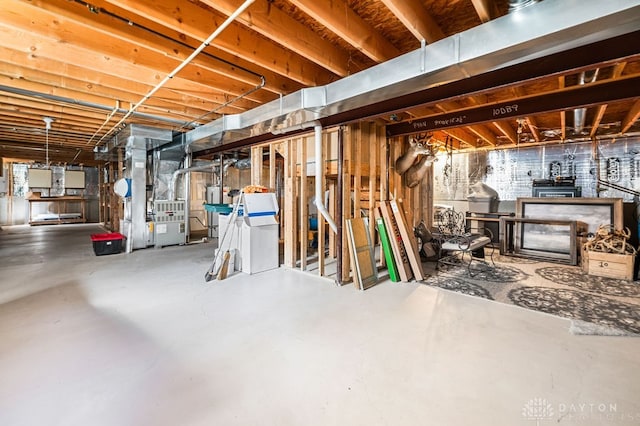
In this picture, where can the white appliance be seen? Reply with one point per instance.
(259, 235)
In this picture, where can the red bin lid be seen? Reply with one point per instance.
(107, 237)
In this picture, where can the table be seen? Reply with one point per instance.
(60, 214)
(490, 221)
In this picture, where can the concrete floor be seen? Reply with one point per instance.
(141, 339)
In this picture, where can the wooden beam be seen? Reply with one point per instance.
(231, 62)
(346, 202)
(322, 223)
(99, 68)
(503, 126)
(187, 18)
(373, 143)
(416, 18)
(533, 127)
(256, 165)
(486, 9)
(563, 114)
(461, 135)
(279, 26)
(163, 99)
(506, 129)
(597, 119)
(304, 205)
(631, 117)
(616, 73)
(339, 18)
(357, 134)
(480, 130)
(96, 36)
(290, 195)
(272, 167)
(107, 27)
(518, 91)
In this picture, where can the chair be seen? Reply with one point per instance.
(456, 240)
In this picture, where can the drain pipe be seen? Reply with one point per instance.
(179, 68)
(319, 200)
(319, 197)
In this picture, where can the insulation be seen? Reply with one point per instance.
(511, 172)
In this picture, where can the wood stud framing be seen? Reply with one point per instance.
(368, 183)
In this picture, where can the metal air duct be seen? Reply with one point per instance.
(546, 28)
(580, 114)
(519, 4)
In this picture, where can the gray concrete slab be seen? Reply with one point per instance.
(141, 339)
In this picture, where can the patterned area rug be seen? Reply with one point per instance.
(597, 305)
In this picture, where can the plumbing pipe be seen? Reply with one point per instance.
(221, 182)
(174, 177)
(179, 68)
(109, 117)
(90, 105)
(319, 199)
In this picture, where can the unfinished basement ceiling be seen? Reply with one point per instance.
(85, 63)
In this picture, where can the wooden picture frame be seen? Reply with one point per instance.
(591, 211)
(559, 239)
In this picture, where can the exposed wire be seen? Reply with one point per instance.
(128, 22)
(183, 64)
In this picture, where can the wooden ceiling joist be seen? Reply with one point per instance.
(416, 18)
(264, 18)
(185, 17)
(486, 9)
(339, 18)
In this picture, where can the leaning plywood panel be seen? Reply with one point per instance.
(399, 252)
(408, 239)
(361, 253)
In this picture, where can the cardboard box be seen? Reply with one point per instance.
(610, 265)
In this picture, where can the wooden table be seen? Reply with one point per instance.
(59, 205)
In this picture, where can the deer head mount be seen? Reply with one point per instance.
(415, 162)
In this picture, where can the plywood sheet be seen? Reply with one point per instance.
(408, 239)
(399, 252)
(361, 253)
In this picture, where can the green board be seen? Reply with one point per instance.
(386, 248)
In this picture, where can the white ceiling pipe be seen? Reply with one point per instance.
(319, 198)
(106, 121)
(184, 63)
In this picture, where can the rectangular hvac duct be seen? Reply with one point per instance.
(542, 29)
